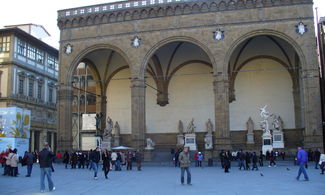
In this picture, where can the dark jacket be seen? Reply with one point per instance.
(45, 158)
(29, 158)
(95, 156)
(106, 160)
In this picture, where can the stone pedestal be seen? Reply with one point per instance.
(147, 155)
(106, 144)
(116, 141)
(190, 141)
(267, 143)
(278, 139)
(180, 140)
(250, 138)
(208, 139)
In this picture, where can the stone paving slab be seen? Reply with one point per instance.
(155, 180)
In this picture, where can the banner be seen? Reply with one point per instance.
(15, 122)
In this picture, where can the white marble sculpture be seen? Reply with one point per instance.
(108, 130)
(209, 127)
(191, 127)
(116, 129)
(150, 144)
(265, 115)
(277, 123)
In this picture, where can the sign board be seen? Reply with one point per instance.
(15, 122)
(88, 122)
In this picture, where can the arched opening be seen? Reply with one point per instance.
(264, 70)
(179, 78)
(95, 91)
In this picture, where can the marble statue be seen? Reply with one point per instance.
(209, 127)
(108, 129)
(250, 125)
(180, 127)
(277, 123)
(191, 127)
(265, 115)
(117, 129)
(150, 144)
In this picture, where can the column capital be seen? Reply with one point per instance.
(136, 82)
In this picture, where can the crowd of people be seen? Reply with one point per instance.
(115, 160)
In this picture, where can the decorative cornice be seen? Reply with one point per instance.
(144, 9)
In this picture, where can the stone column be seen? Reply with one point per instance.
(221, 96)
(64, 118)
(138, 113)
(32, 138)
(313, 119)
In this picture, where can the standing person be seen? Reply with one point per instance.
(7, 162)
(242, 158)
(196, 156)
(302, 159)
(138, 158)
(129, 157)
(199, 159)
(316, 157)
(176, 158)
(260, 159)
(248, 160)
(29, 162)
(283, 154)
(118, 162)
(74, 160)
(114, 157)
(254, 159)
(95, 157)
(45, 162)
(184, 159)
(322, 163)
(13, 163)
(106, 156)
(58, 157)
(227, 158)
(272, 159)
(222, 156)
(66, 159)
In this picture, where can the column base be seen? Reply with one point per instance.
(221, 144)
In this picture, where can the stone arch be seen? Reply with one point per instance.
(169, 40)
(86, 51)
(261, 32)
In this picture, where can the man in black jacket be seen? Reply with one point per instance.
(95, 157)
(45, 161)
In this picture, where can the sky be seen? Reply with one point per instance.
(44, 12)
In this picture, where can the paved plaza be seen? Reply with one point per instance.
(154, 180)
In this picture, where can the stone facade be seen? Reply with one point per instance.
(158, 23)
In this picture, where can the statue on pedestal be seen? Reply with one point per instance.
(250, 131)
(180, 136)
(264, 123)
(116, 129)
(277, 123)
(150, 144)
(209, 127)
(191, 127)
(98, 118)
(108, 130)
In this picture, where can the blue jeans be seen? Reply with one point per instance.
(187, 169)
(95, 167)
(46, 172)
(302, 170)
(118, 165)
(29, 169)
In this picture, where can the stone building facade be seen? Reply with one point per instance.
(28, 77)
(238, 55)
